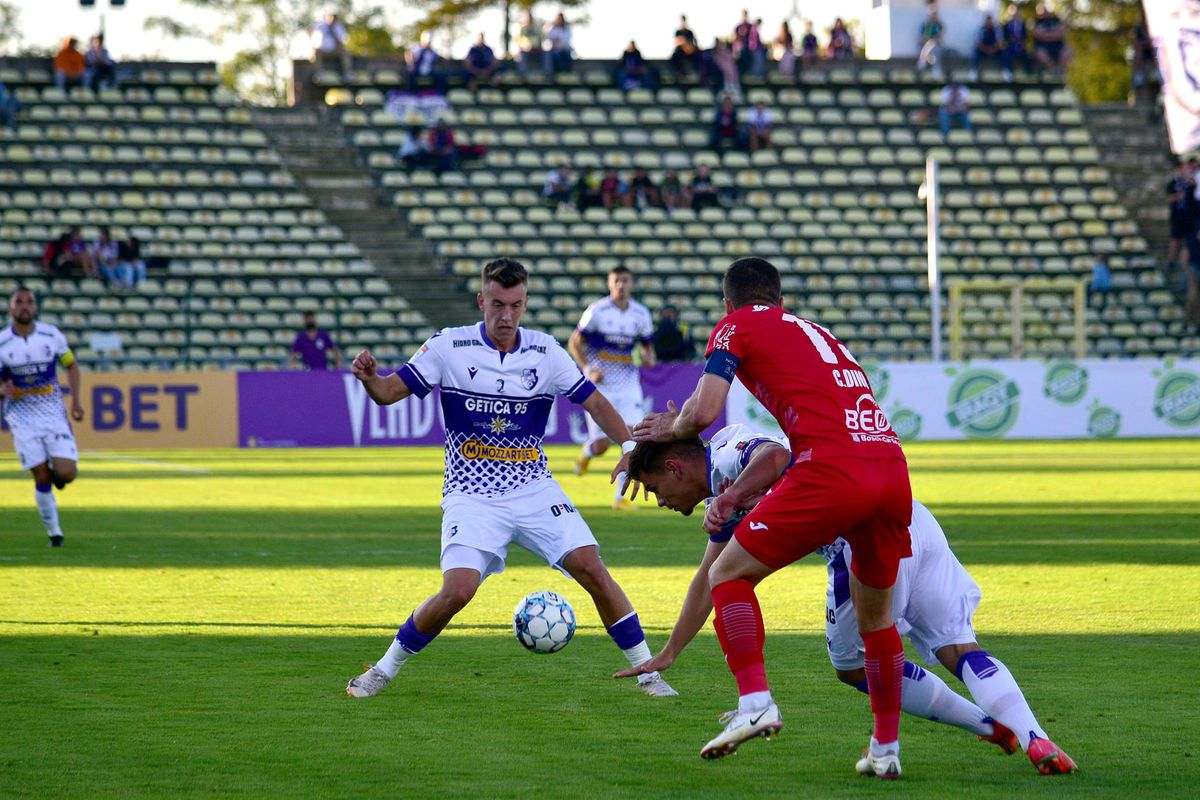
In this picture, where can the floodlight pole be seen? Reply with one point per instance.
(935, 274)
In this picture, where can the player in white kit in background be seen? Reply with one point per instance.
(602, 345)
(33, 403)
(934, 601)
(498, 383)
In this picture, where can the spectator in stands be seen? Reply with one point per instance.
(587, 190)
(314, 348)
(685, 58)
(642, 191)
(481, 64)
(725, 69)
(783, 50)
(673, 191)
(1101, 284)
(529, 43)
(633, 71)
(104, 250)
(82, 251)
(421, 60)
(1182, 217)
(557, 190)
(613, 190)
(101, 70)
(414, 149)
(738, 44)
(1049, 40)
(130, 265)
(69, 64)
(955, 107)
(557, 46)
(757, 49)
(704, 191)
(810, 48)
(1144, 75)
(57, 258)
(989, 47)
(841, 46)
(443, 150)
(328, 39)
(931, 42)
(726, 132)
(759, 124)
(672, 339)
(9, 107)
(1191, 305)
(1014, 34)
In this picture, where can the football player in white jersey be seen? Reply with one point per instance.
(33, 403)
(602, 345)
(498, 383)
(935, 597)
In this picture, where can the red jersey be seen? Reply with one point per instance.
(807, 379)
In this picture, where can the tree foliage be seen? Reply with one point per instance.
(455, 14)
(10, 30)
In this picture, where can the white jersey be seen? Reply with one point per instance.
(29, 361)
(727, 454)
(495, 405)
(609, 336)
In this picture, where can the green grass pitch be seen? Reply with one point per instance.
(195, 635)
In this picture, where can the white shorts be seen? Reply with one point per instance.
(542, 519)
(38, 444)
(933, 602)
(629, 403)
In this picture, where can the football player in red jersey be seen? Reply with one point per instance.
(849, 478)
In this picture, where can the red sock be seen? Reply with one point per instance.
(739, 626)
(884, 665)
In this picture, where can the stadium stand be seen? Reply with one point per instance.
(835, 204)
(172, 159)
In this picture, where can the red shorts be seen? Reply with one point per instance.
(866, 501)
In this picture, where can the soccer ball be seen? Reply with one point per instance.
(544, 622)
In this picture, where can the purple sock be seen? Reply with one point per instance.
(627, 631)
(412, 639)
(42, 487)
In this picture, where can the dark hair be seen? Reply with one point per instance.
(752, 280)
(650, 457)
(508, 272)
(22, 288)
(621, 269)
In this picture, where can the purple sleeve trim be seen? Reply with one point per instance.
(413, 380)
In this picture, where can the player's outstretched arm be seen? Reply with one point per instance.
(697, 605)
(698, 412)
(610, 421)
(76, 383)
(767, 463)
(384, 390)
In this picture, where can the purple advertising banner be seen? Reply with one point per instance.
(331, 409)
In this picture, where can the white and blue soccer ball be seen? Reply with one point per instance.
(544, 622)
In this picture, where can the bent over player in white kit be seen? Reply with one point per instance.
(498, 383)
(33, 403)
(602, 345)
(933, 603)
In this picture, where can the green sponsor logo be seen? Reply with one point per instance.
(1066, 382)
(906, 423)
(878, 377)
(1177, 399)
(983, 403)
(1103, 422)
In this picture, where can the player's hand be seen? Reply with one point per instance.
(621, 473)
(595, 375)
(77, 411)
(657, 426)
(657, 664)
(8, 389)
(718, 512)
(364, 366)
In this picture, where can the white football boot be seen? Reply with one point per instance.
(742, 726)
(882, 762)
(369, 684)
(653, 684)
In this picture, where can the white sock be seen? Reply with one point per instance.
(48, 509)
(997, 693)
(755, 701)
(926, 695)
(587, 451)
(638, 654)
(878, 750)
(393, 659)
